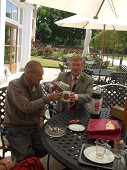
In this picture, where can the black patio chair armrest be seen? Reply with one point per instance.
(62, 69)
(3, 135)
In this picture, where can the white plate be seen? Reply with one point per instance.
(76, 127)
(90, 153)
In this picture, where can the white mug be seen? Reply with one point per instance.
(66, 96)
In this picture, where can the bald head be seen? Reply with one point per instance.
(33, 72)
(32, 65)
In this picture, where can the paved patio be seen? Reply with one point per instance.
(49, 75)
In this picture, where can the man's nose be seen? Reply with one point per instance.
(41, 78)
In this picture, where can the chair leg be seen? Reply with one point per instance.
(3, 154)
(48, 161)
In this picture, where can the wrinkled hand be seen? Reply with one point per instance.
(54, 96)
(72, 97)
(8, 164)
(51, 88)
(54, 87)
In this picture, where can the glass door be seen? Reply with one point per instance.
(10, 57)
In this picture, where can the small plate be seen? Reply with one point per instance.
(55, 130)
(76, 127)
(90, 153)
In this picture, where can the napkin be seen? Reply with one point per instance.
(103, 128)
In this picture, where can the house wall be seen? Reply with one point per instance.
(2, 38)
(26, 35)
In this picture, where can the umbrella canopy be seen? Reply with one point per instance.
(87, 42)
(79, 21)
(99, 9)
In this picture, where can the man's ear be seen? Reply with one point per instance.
(27, 73)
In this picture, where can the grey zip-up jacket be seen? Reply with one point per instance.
(22, 106)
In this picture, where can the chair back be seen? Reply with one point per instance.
(3, 92)
(52, 105)
(121, 68)
(105, 64)
(89, 72)
(113, 94)
(118, 78)
(62, 69)
(4, 143)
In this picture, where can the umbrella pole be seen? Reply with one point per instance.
(102, 53)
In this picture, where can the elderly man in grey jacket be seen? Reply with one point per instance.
(80, 85)
(24, 112)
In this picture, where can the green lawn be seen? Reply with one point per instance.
(55, 63)
(47, 62)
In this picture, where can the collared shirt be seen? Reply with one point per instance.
(75, 77)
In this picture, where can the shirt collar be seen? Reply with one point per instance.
(31, 89)
(75, 77)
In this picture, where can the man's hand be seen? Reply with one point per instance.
(5, 164)
(72, 97)
(54, 96)
(40, 123)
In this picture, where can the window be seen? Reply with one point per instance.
(11, 33)
(11, 11)
(19, 47)
(8, 9)
(14, 12)
(21, 16)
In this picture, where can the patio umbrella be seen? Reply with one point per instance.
(78, 21)
(87, 42)
(99, 9)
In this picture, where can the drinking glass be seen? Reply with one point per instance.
(119, 145)
(100, 148)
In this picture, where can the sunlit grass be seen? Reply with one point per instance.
(47, 62)
(55, 64)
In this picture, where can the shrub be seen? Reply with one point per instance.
(34, 52)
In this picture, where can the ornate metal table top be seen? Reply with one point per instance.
(66, 149)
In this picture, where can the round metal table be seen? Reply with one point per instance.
(66, 149)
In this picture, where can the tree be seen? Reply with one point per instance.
(48, 32)
(115, 41)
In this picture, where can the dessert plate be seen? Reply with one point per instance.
(76, 127)
(90, 153)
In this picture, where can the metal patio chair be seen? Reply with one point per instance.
(52, 106)
(4, 142)
(118, 78)
(121, 68)
(113, 94)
